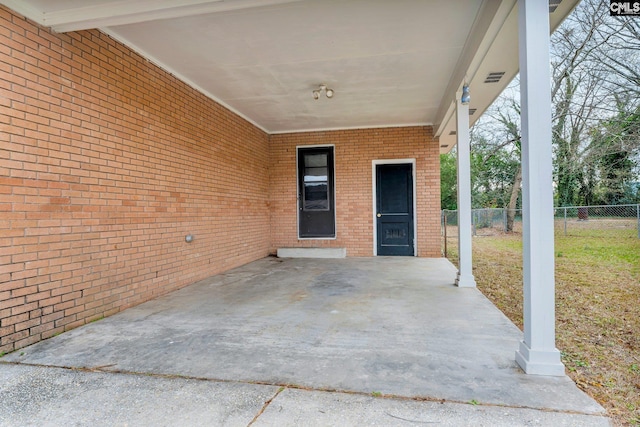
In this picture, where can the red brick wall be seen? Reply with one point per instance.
(354, 152)
(106, 163)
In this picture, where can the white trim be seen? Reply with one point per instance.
(120, 12)
(330, 129)
(125, 12)
(335, 207)
(490, 20)
(312, 253)
(25, 9)
(374, 182)
(179, 76)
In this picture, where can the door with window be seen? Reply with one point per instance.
(316, 198)
(394, 203)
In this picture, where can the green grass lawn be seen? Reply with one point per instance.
(597, 307)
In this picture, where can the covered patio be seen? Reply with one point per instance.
(395, 328)
(153, 144)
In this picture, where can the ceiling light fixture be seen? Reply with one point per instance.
(322, 88)
(466, 96)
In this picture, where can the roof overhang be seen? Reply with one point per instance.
(491, 65)
(394, 63)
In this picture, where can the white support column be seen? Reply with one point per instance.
(465, 277)
(537, 353)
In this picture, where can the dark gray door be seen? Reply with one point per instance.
(394, 194)
(315, 193)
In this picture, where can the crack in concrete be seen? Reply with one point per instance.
(265, 406)
(284, 386)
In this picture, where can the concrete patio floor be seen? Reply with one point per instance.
(356, 341)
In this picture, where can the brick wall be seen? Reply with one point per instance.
(106, 163)
(354, 152)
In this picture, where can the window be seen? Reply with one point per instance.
(316, 216)
(316, 182)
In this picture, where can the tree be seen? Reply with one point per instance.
(595, 89)
(595, 63)
(496, 146)
(579, 93)
(448, 181)
(620, 58)
(492, 169)
(511, 124)
(618, 144)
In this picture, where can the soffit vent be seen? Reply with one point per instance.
(472, 111)
(453, 132)
(494, 77)
(553, 5)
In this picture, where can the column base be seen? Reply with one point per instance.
(539, 362)
(465, 281)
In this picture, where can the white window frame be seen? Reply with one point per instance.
(298, 192)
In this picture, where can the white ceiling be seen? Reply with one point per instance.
(390, 63)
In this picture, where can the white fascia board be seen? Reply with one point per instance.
(130, 12)
(490, 18)
(115, 13)
(506, 13)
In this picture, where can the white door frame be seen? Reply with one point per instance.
(374, 186)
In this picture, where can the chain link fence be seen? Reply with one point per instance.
(619, 221)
